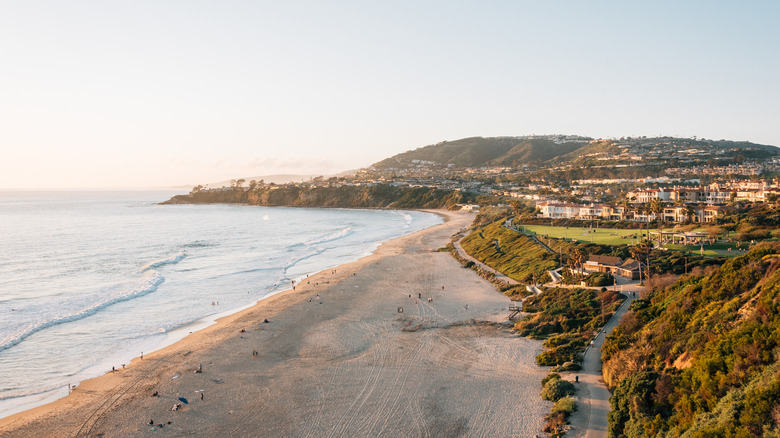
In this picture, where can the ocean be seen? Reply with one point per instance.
(89, 280)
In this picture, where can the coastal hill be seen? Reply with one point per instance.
(699, 357)
(472, 171)
(492, 151)
(569, 149)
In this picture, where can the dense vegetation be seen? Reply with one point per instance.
(479, 151)
(581, 155)
(567, 319)
(514, 254)
(559, 392)
(700, 357)
(376, 196)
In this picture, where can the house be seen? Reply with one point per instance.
(600, 263)
(613, 265)
(559, 210)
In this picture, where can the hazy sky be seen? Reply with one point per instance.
(159, 93)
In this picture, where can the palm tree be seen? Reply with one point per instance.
(638, 252)
(689, 212)
(579, 256)
(656, 207)
(626, 204)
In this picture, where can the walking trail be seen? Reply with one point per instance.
(499, 276)
(590, 419)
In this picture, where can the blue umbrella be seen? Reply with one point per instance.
(184, 400)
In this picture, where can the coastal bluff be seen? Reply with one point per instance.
(338, 196)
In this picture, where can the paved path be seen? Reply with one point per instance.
(499, 276)
(536, 239)
(590, 419)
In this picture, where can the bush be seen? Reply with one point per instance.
(570, 366)
(599, 279)
(555, 389)
(749, 232)
(567, 405)
(550, 377)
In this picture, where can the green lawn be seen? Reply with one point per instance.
(611, 236)
(603, 236)
(719, 249)
(515, 255)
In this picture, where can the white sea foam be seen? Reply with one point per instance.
(166, 261)
(72, 285)
(148, 284)
(330, 237)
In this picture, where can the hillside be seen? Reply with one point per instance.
(377, 196)
(700, 357)
(572, 150)
(479, 151)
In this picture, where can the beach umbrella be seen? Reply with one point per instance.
(184, 400)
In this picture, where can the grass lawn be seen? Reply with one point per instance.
(604, 236)
(719, 249)
(515, 255)
(612, 236)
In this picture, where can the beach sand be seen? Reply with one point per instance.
(333, 360)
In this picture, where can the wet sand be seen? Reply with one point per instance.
(338, 359)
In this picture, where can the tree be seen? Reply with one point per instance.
(656, 207)
(626, 204)
(578, 256)
(689, 213)
(517, 208)
(638, 252)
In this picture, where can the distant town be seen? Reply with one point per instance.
(628, 179)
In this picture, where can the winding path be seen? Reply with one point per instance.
(590, 419)
(499, 276)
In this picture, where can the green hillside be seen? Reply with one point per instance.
(700, 358)
(515, 255)
(376, 196)
(552, 150)
(479, 151)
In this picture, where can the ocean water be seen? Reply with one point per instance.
(89, 280)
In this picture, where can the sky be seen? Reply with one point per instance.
(141, 94)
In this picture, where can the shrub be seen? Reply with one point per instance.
(599, 279)
(661, 281)
(566, 404)
(555, 389)
(550, 377)
(555, 423)
(570, 366)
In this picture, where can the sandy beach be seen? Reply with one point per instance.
(404, 342)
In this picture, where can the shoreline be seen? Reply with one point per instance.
(51, 395)
(126, 393)
(180, 333)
